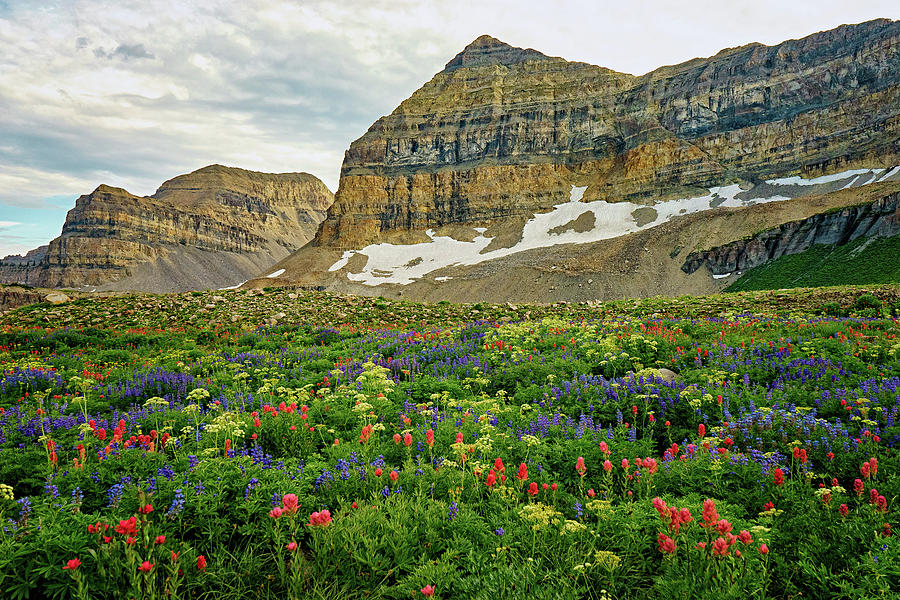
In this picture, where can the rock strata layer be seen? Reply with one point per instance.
(503, 137)
(503, 131)
(220, 225)
(836, 227)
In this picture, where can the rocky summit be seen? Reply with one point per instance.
(215, 227)
(512, 175)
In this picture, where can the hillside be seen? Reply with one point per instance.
(510, 167)
(212, 228)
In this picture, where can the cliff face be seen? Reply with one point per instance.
(512, 175)
(504, 132)
(836, 227)
(225, 214)
(20, 269)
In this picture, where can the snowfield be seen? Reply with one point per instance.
(403, 264)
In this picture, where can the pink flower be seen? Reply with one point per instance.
(276, 512)
(145, 567)
(665, 543)
(491, 479)
(378, 471)
(72, 564)
(650, 463)
(290, 504)
(428, 591)
(146, 509)
(553, 487)
(779, 477)
(320, 519)
(763, 549)
(407, 440)
(701, 430)
(844, 510)
(291, 546)
(607, 466)
(604, 448)
(160, 539)
(394, 475)
(365, 434)
(723, 526)
(858, 487)
(591, 493)
(710, 515)
(579, 466)
(201, 562)
(720, 547)
(397, 438)
(429, 437)
(533, 488)
(660, 506)
(127, 527)
(522, 475)
(625, 464)
(498, 465)
(459, 437)
(745, 537)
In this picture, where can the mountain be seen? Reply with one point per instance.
(515, 175)
(212, 228)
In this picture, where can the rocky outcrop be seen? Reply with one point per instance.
(21, 269)
(14, 296)
(504, 132)
(467, 190)
(241, 220)
(835, 227)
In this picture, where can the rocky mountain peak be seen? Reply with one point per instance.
(487, 50)
(108, 189)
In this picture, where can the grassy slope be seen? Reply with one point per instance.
(862, 262)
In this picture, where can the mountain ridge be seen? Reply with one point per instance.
(507, 134)
(213, 227)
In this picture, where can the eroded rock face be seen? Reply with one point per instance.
(836, 227)
(223, 212)
(504, 132)
(21, 269)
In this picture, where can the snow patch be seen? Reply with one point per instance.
(277, 273)
(576, 193)
(443, 278)
(722, 276)
(390, 263)
(852, 181)
(890, 173)
(797, 180)
(233, 287)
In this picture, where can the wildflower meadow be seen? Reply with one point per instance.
(295, 444)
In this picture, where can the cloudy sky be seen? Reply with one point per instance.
(131, 93)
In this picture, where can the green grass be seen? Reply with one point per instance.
(861, 262)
